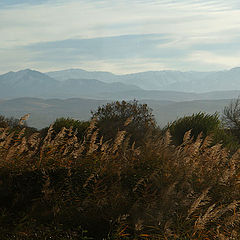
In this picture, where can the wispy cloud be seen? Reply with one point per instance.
(164, 34)
(117, 47)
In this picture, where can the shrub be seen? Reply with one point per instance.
(78, 125)
(204, 124)
(8, 122)
(15, 126)
(198, 123)
(137, 119)
(226, 138)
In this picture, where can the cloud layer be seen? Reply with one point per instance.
(119, 35)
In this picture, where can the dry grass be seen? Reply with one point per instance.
(156, 191)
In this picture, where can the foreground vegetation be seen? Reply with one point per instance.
(59, 183)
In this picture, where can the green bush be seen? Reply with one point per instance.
(226, 138)
(205, 124)
(198, 123)
(78, 125)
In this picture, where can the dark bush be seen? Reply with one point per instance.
(78, 125)
(137, 119)
(8, 122)
(14, 125)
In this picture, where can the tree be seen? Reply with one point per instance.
(231, 115)
(137, 119)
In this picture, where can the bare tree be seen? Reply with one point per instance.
(231, 115)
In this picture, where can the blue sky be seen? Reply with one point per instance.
(120, 36)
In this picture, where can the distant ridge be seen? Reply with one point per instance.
(26, 83)
(163, 80)
(30, 83)
(169, 85)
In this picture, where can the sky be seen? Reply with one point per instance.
(119, 36)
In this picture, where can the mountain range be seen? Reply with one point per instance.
(30, 83)
(77, 83)
(163, 80)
